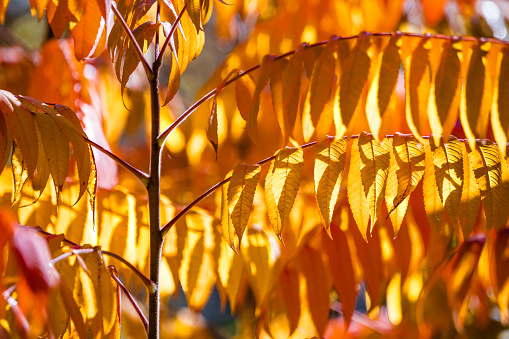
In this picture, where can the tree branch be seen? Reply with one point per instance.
(148, 70)
(186, 209)
(170, 34)
(146, 281)
(133, 302)
(142, 176)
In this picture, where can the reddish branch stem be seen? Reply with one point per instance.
(133, 302)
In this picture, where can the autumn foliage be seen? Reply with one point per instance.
(343, 173)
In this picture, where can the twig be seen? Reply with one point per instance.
(133, 302)
(142, 176)
(146, 281)
(167, 227)
(170, 34)
(72, 252)
(148, 70)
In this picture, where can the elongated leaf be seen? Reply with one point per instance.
(356, 197)
(258, 261)
(89, 32)
(56, 148)
(341, 269)
(405, 173)
(470, 197)
(276, 94)
(227, 228)
(241, 194)
(317, 288)
(230, 270)
(389, 71)
(503, 89)
(499, 273)
(19, 121)
(263, 78)
(212, 126)
(448, 162)
(281, 185)
(417, 82)
(446, 87)
(485, 162)
(5, 142)
(320, 89)
(353, 78)
(432, 203)
(375, 160)
(244, 91)
(194, 11)
(330, 158)
(291, 79)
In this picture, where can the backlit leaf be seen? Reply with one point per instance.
(432, 203)
(356, 197)
(448, 162)
(499, 272)
(374, 167)
(89, 32)
(281, 185)
(405, 173)
(194, 11)
(470, 197)
(353, 77)
(227, 228)
(241, 192)
(244, 91)
(289, 287)
(485, 162)
(291, 79)
(229, 272)
(263, 78)
(330, 158)
(389, 71)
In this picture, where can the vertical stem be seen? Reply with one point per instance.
(154, 197)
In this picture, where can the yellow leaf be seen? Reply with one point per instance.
(281, 185)
(473, 90)
(417, 82)
(276, 94)
(487, 167)
(389, 72)
(503, 89)
(330, 158)
(258, 261)
(194, 11)
(241, 192)
(405, 173)
(227, 228)
(42, 172)
(321, 85)
(374, 167)
(197, 272)
(263, 78)
(56, 149)
(499, 273)
(174, 79)
(447, 91)
(212, 125)
(470, 197)
(19, 173)
(5, 143)
(448, 162)
(229, 271)
(244, 91)
(291, 79)
(394, 300)
(317, 287)
(353, 77)
(20, 122)
(356, 197)
(432, 204)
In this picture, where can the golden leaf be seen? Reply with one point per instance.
(432, 204)
(448, 162)
(405, 173)
(281, 185)
(356, 197)
(330, 158)
(194, 11)
(374, 167)
(470, 197)
(487, 167)
(89, 32)
(241, 192)
(230, 269)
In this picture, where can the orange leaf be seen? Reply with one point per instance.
(289, 287)
(244, 91)
(89, 32)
